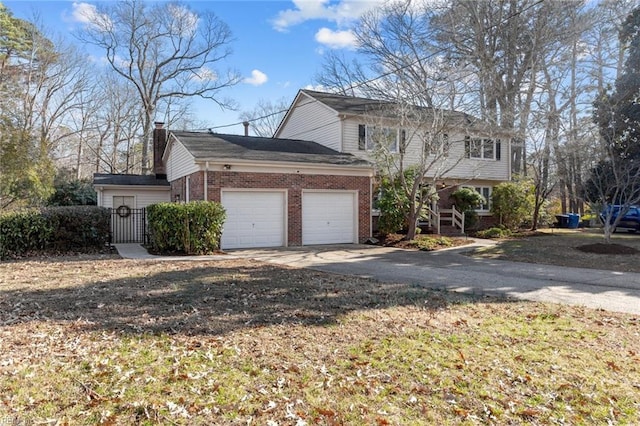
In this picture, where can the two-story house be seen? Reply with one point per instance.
(456, 148)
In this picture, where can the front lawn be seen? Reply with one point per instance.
(100, 340)
(582, 248)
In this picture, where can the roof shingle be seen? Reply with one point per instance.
(212, 146)
(138, 180)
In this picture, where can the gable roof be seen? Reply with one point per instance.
(360, 106)
(100, 179)
(349, 104)
(213, 146)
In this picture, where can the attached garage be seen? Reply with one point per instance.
(329, 217)
(276, 192)
(254, 219)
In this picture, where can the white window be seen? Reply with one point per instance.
(120, 200)
(372, 137)
(482, 148)
(485, 191)
(386, 137)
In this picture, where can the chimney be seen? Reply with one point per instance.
(159, 144)
(246, 128)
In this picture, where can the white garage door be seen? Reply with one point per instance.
(328, 217)
(254, 219)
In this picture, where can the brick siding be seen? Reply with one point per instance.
(294, 183)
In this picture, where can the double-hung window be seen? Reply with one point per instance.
(485, 191)
(371, 138)
(482, 148)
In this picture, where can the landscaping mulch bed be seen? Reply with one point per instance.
(602, 248)
(436, 242)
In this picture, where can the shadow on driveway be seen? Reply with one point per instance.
(451, 270)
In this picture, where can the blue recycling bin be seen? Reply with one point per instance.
(574, 220)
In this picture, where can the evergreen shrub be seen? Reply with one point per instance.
(190, 228)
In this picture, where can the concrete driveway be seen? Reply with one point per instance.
(451, 270)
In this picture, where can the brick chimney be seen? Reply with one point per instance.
(159, 144)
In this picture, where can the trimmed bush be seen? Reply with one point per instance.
(60, 228)
(432, 243)
(78, 227)
(494, 233)
(191, 228)
(22, 232)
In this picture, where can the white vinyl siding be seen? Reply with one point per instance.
(478, 168)
(180, 162)
(142, 196)
(463, 168)
(329, 217)
(313, 121)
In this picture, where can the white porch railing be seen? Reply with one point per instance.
(454, 216)
(431, 219)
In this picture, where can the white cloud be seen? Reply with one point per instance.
(336, 39)
(316, 87)
(86, 13)
(342, 12)
(184, 22)
(257, 78)
(206, 74)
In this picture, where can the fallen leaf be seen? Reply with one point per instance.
(529, 412)
(612, 365)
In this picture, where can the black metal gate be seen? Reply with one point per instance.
(128, 225)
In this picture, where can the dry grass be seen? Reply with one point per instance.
(562, 247)
(100, 340)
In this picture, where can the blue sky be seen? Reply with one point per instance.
(278, 47)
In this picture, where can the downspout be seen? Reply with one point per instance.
(509, 160)
(370, 208)
(187, 189)
(342, 121)
(206, 178)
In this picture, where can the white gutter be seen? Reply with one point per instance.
(289, 165)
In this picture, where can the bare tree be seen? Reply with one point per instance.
(416, 147)
(554, 145)
(266, 116)
(164, 50)
(616, 178)
(422, 89)
(116, 127)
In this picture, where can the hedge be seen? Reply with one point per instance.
(190, 228)
(61, 229)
